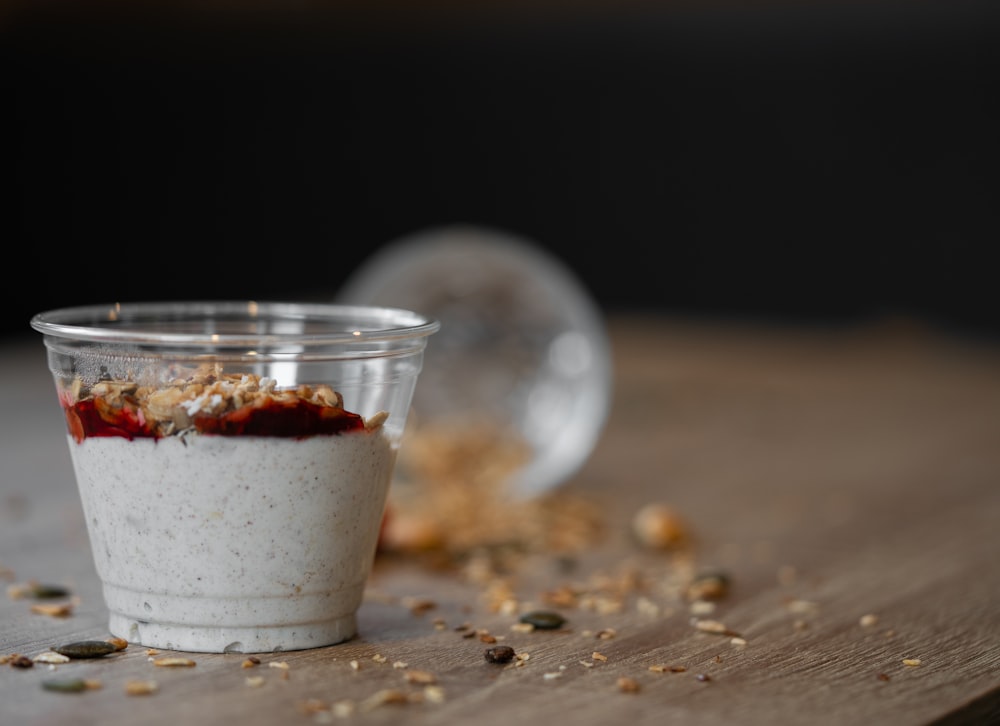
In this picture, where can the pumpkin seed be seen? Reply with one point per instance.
(86, 649)
(543, 619)
(48, 592)
(65, 685)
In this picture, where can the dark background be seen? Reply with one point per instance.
(823, 162)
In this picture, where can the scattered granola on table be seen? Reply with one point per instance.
(450, 501)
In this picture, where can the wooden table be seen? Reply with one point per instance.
(846, 481)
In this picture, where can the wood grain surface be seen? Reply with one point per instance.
(845, 480)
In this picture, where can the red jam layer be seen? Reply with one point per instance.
(93, 417)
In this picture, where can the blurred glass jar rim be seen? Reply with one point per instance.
(522, 346)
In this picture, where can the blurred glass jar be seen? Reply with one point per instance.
(518, 381)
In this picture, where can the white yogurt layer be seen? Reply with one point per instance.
(239, 544)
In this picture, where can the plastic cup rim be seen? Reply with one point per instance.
(348, 324)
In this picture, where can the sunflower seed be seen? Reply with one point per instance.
(499, 654)
(174, 662)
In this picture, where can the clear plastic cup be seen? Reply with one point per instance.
(522, 368)
(233, 461)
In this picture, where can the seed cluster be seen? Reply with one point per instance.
(654, 593)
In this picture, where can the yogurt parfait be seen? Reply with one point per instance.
(233, 462)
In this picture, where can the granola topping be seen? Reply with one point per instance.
(206, 401)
